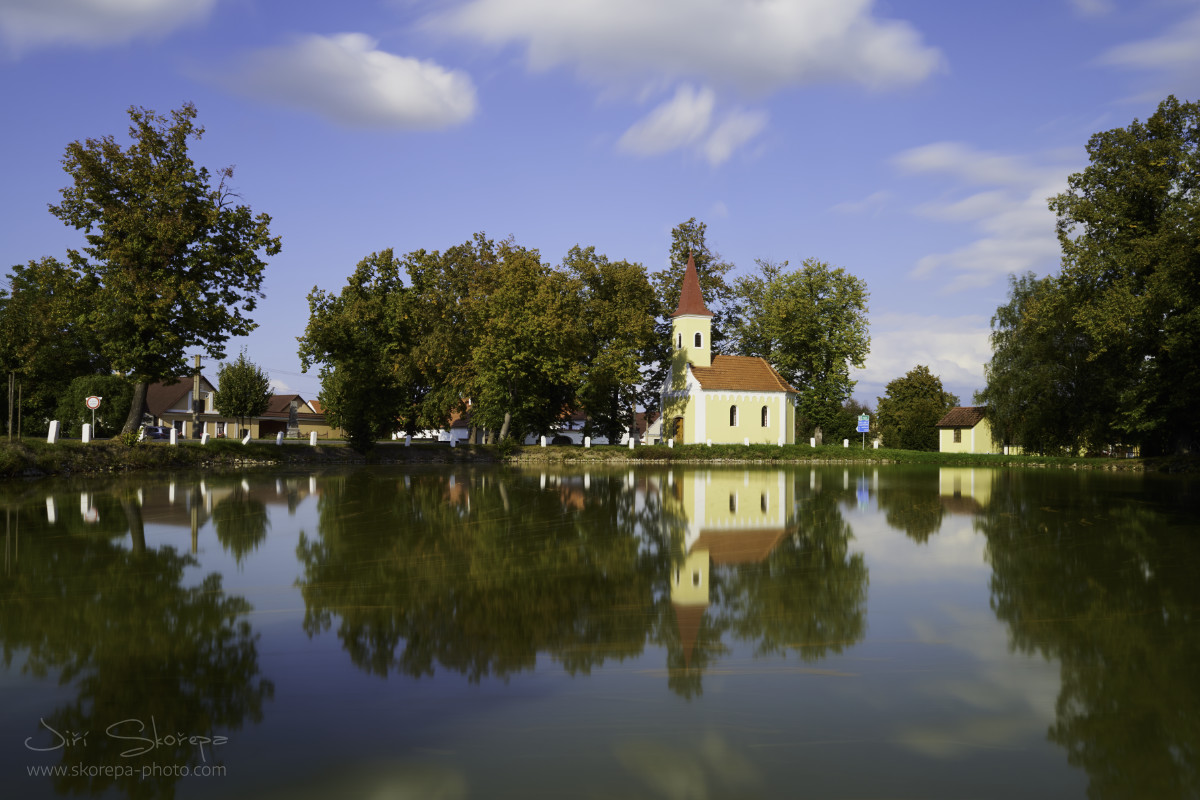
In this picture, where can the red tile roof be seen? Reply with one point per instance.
(747, 373)
(963, 417)
(691, 299)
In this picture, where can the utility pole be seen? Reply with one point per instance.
(196, 400)
(12, 377)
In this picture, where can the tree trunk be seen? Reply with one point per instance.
(507, 424)
(136, 407)
(137, 528)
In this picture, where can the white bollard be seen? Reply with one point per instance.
(845, 442)
(587, 442)
(174, 436)
(204, 438)
(246, 438)
(87, 432)
(812, 442)
(632, 442)
(279, 438)
(709, 442)
(312, 438)
(142, 433)
(746, 441)
(875, 444)
(408, 441)
(670, 444)
(543, 441)
(453, 441)
(52, 437)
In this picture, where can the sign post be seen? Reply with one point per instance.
(864, 425)
(93, 403)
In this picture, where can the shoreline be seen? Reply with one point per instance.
(32, 459)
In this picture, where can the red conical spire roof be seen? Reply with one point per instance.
(691, 300)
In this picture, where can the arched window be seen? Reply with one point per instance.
(698, 339)
(679, 341)
(733, 416)
(766, 417)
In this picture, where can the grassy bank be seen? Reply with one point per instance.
(35, 458)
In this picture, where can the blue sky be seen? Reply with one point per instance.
(913, 144)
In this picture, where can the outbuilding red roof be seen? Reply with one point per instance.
(963, 417)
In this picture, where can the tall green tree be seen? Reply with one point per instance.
(1044, 389)
(811, 325)
(359, 337)
(243, 389)
(525, 355)
(1131, 253)
(41, 341)
(618, 337)
(173, 262)
(911, 407)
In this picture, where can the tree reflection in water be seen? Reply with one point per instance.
(1105, 584)
(478, 573)
(119, 624)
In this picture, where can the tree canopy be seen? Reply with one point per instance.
(243, 389)
(911, 407)
(811, 325)
(172, 261)
(1111, 346)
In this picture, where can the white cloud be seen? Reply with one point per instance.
(1011, 212)
(676, 123)
(737, 128)
(1093, 8)
(345, 78)
(687, 119)
(954, 348)
(872, 203)
(31, 23)
(758, 45)
(1177, 49)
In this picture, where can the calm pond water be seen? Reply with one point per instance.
(652, 633)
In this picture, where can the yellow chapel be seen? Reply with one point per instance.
(719, 399)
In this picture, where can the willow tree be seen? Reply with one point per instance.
(175, 263)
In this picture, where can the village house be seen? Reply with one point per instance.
(718, 398)
(965, 429)
(171, 405)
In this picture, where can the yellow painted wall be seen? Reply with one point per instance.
(683, 348)
(966, 482)
(714, 499)
(780, 418)
(974, 440)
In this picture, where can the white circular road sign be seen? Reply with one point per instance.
(93, 402)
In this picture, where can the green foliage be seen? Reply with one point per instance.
(358, 336)
(39, 340)
(1044, 390)
(171, 263)
(116, 393)
(811, 325)
(243, 389)
(910, 409)
(618, 337)
(1131, 254)
(845, 425)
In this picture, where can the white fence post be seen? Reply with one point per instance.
(312, 438)
(52, 437)
(87, 432)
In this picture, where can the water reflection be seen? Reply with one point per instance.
(479, 573)
(141, 650)
(642, 579)
(1118, 611)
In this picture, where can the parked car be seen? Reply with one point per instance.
(158, 432)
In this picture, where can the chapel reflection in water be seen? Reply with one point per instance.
(480, 572)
